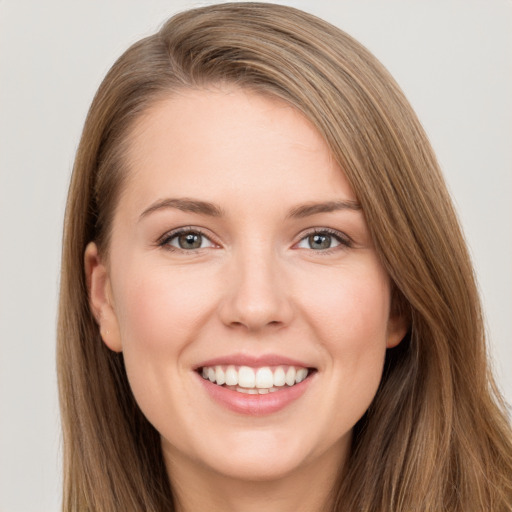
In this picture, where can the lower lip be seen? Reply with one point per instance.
(255, 405)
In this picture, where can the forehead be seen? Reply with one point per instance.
(226, 143)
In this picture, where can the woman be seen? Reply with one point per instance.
(266, 300)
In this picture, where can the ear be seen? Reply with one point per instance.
(100, 297)
(397, 329)
(399, 320)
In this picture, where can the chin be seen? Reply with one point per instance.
(258, 467)
(267, 455)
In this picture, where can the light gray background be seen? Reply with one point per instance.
(452, 58)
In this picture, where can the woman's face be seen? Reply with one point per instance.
(242, 287)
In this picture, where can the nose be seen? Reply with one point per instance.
(256, 294)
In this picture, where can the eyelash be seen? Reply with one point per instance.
(343, 240)
(165, 240)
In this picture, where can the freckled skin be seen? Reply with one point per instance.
(255, 286)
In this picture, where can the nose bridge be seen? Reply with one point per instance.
(256, 296)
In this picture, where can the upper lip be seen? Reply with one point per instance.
(253, 361)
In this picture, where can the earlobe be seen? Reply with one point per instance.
(397, 329)
(100, 297)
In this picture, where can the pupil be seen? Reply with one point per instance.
(190, 241)
(320, 241)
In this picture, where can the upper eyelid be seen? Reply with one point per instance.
(343, 237)
(185, 229)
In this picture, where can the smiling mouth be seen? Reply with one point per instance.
(255, 381)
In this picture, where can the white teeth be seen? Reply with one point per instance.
(264, 378)
(254, 380)
(290, 376)
(247, 391)
(231, 376)
(279, 377)
(301, 375)
(220, 376)
(246, 377)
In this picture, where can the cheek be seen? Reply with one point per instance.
(160, 312)
(350, 318)
(159, 308)
(353, 306)
(350, 322)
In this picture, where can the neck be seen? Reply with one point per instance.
(306, 489)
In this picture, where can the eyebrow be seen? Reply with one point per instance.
(307, 210)
(212, 210)
(185, 205)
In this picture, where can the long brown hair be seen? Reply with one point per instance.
(436, 437)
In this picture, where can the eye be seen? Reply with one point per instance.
(322, 241)
(186, 240)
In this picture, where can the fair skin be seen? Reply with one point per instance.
(273, 268)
